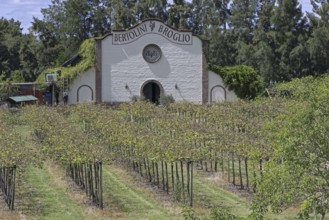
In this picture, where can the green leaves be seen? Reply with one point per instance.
(297, 172)
(243, 80)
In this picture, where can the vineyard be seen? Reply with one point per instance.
(249, 146)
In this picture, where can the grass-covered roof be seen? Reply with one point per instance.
(87, 56)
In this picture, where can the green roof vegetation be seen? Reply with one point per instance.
(87, 54)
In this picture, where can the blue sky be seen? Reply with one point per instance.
(25, 10)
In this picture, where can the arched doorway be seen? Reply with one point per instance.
(85, 94)
(217, 94)
(152, 91)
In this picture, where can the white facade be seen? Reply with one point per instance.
(149, 60)
(82, 89)
(218, 92)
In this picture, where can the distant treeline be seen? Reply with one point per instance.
(274, 37)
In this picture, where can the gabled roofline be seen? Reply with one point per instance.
(146, 20)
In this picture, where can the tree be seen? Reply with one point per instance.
(179, 15)
(297, 172)
(242, 19)
(265, 61)
(145, 9)
(321, 17)
(289, 26)
(243, 80)
(208, 15)
(66, 24)
(10, 36)
(29, 66)
(122, 14)
(318, 44)
(222, 50)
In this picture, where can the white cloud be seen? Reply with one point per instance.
(23, 10)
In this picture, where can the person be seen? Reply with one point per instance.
(65, 97)
(57, 96)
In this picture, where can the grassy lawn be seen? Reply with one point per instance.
(50, 198)
(48, 194)
(132, 200)
(208, 194)
(211, 191)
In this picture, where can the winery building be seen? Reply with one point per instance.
(150, 60)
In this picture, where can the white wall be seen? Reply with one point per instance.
(124, 65)
(82, 89)
(218, 92)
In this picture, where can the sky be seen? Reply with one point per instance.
(25, 10)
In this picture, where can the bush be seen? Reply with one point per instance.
(243, 80)
(166, 100)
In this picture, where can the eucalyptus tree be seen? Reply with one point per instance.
(66, 24)
(10, 36)
(48, 31)
(208, 15)
(4, 66)
(222, 50)
(318, 42)
(19, 52)
(321, 17)
(242, 19)
(28, 55)
(289, 25)
(264, 57)
(122, 13)
(180, 14)
(145, 9)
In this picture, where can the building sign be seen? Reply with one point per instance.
(151, 27)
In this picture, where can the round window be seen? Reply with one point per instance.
(152, 53)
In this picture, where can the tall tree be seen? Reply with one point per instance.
(243, 18)
(122, 13)
(145, 9)
(209, 15)
(242, 25)
(180, 14)
(210, 20)
(264, 48)
(10, 36)
(29, 65)
(222, 49)
(318, 42)
(321, 17)
(66, 24)
(289, 29)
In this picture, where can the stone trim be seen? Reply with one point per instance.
(212, 89)
(205, 74)
(152, 81)
(92, 92)
(98, 72)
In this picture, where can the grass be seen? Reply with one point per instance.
(49, 195)
(50, 199)
(208, 194)
(132, 200)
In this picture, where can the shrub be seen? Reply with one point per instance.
(243, 80)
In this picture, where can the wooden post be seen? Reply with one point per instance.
(182, 174)
(247, 176)
(240, 174)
